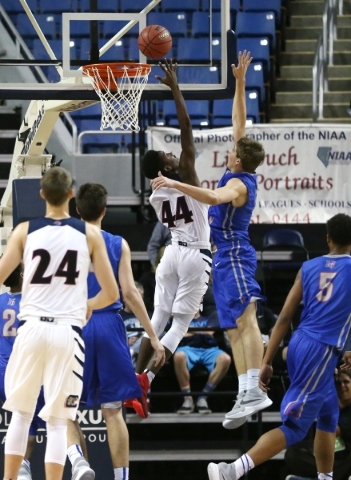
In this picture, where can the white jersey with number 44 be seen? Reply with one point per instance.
(186, 218)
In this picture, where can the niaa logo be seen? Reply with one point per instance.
(326, 155)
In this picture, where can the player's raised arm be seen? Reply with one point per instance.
(239, 103)
(187, 157)
(14, 251)
(102, 268)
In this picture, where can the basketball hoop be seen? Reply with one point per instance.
(119, 86)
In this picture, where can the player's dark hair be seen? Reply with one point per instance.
(339, 229)
(14, 279)
(151, 164)
(250, 152)
(56, 184)
(91, 199)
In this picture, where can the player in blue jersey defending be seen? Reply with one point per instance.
(9, 309)
(324, 286)
(108, 369)
(234, 264)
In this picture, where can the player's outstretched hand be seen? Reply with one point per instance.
(160, 354)
(162, 181)
(347, 361)
(244, 60)
(170, 70)
(265, 376)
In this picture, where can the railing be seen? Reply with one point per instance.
(324, 57)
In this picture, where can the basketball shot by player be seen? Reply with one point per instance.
(57, 251)
(183, 273)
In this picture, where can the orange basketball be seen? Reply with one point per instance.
(155, 41)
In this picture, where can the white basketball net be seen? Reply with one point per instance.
(119, 95)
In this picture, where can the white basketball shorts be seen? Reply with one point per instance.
(182, 279)
(45, 354)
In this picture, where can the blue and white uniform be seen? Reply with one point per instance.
(234, 263)
(315, 347)
(9, 309)
(108, 366)
(49, 350)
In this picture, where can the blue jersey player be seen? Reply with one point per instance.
(109, 375)
(324, 286)
(234, 263)
(9, 309)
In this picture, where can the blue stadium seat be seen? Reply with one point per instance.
(40, 53)
(94, 111)
(259, 49)
(193, 49)
(222, 112)
(110, 28)
(175, 22)
(47, 23)
(133, 6)
(180, 5)
(79, 29)
(255, 79)
(98, 142)
(256, 25)
(200, 25)
(104, 6)
(264, 6)
(115, 53)
(155, 70)
(189, 75)
(50, 6)
(216, 5)
(198, 112)
(252, 106)
(11, 6)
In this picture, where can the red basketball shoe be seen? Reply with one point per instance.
(140, 405)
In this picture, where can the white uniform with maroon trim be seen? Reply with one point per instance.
(182, 275)
(49, 349)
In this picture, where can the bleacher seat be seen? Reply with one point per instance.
(222, 112)
(256, 25)
(259, 49)
(200, 24)
(189, 75)
(264, 6)
(50, 6)
(13, 7)
(115, 53)
(40, 53)
(94, 111)
(198, 112)
(110, 28)
(79, 29)
(104, 6)
(98, 142)
(216, 5)
(155, 70)
(180, 5)
(193, 49)
(133, 6)
(175, 22)
(47, 23)
(255, 79)
(252, 105)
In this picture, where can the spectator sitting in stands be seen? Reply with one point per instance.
(161, 237)
(300, 460)
(131, 322)
(199, 348)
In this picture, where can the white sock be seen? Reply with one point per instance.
(26, 462)
(325, 476)
(74, 452)
(252, 378)
(121, 473)
(150, 376)
(243, 465)
(242, 382)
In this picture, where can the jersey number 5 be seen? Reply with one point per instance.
(325, 286)
(182, 211)
(66, 269)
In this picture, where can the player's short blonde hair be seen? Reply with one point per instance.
(250, 152)
(56, 184)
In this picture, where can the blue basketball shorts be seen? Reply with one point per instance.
(312, 394)
(201, 356)
(108, 375)
(234, 283)
(37, 422)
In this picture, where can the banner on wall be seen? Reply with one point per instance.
(305, 177)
